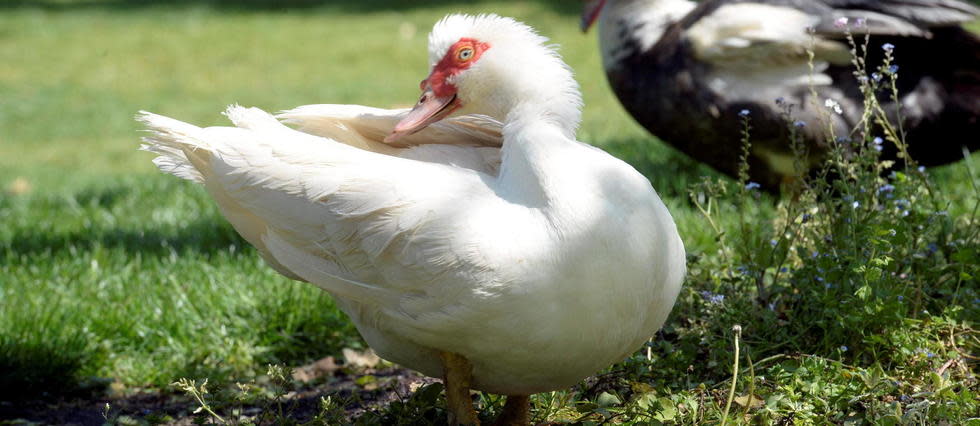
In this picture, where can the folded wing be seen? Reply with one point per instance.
(366, 226)
(470, 141)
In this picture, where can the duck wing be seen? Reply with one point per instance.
(469, 141)
(922, 13)
(765, 33)
(365, 226)
(373, 124)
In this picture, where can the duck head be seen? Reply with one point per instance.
(493, 66)
(591, 12)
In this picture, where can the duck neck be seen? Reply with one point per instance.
(628, 27)
(533, 154)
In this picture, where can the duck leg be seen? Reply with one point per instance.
(457, 372)
(517, 411)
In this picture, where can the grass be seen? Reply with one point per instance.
(114, 272)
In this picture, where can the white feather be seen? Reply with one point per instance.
(758, 50)
(646, 20)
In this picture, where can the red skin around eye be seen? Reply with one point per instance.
(450, 65)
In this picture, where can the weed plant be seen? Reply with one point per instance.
(863, 269)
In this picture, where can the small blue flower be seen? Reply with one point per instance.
(876, 76)
(856, 204)
(799, 124)
(744, 113)
(904, 398)
(784, 269)
(752, 185)
(806, 217)
(893, 69)
(843, 348)
(932, 247)
(877, 141)
(819, 279)
(712, 298)
(773, 243)
(901, 298)
(922, 169)
(886, 188)
(888, 47)
(843, 140)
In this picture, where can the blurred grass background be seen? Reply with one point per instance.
(110, 269)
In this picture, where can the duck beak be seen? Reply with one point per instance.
(428, 110)
(591, 13)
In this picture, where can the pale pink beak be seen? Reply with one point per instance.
(591, 13)
(430, 109)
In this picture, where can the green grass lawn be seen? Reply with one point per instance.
(110, 269)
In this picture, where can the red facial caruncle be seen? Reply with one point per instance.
(460, 57)
(438, 93)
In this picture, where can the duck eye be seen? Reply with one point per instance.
(465, 54)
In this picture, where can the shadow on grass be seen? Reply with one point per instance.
(561, 6)
(205, 236)
(38, 358)
(28, 371)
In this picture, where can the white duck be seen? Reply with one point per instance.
(508, 257)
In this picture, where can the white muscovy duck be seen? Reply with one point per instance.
(495, 251)
(685, 71)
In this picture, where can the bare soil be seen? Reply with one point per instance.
(386, 385)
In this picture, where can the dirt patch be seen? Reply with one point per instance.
(359, 392)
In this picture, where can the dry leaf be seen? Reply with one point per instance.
(744, 400)
(308, 373)
(366, 359)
